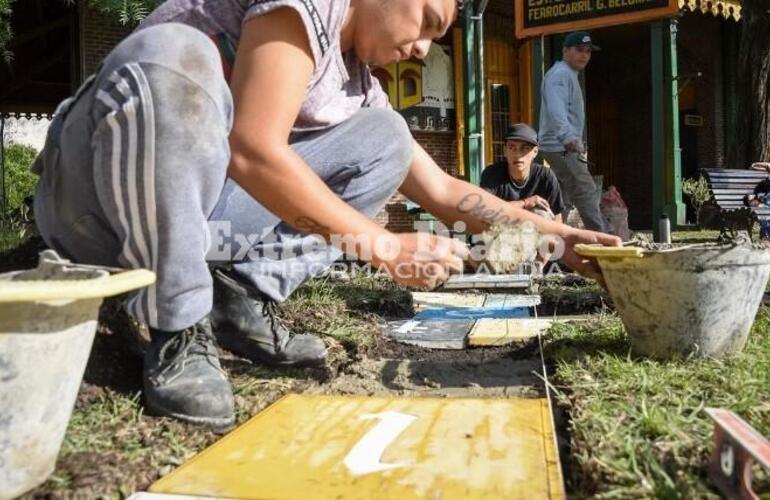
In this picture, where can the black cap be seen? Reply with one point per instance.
(521, 132)
(578, 38)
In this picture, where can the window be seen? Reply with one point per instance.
(500, 96)
(386, 77)
(410, 86)
(402, 82)
(410, 90)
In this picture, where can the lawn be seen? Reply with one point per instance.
(637, 427)
(630, 428)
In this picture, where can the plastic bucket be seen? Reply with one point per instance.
(48, 319)
(696, 300)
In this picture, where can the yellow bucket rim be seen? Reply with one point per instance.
(100, 287)
(600, 251)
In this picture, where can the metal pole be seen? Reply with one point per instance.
(674, 205)
(471, 98)
(3, 193)
(480, 82)
(658, 124)
(474, 90)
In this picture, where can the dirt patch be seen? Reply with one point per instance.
(573, 302)
(385, 348)
(87, 473)
(114, 362)
(500, 377)
(392, 368)
(571, 294)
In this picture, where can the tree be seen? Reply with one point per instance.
(127, 12)
(698, 192)
(752, 132)
(5, 29)
(19, 180)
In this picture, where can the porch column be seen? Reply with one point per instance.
(474, 118)
(666, 153)
(674, 205)
(658, 151)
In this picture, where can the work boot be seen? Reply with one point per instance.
(245, 321)
(183, 378)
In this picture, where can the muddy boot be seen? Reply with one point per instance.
(245, 322)
(183, 378)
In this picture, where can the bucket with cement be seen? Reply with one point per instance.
(48, 319)
(696, 300)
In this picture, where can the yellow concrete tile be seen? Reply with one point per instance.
(425, 300)
(354, 447)
(508, 301)
(492, 331)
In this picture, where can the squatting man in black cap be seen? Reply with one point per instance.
(562, 127)
(519, 180)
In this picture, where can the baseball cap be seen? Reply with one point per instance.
(521, 132)
(577, 38)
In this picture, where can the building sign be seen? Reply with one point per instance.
(543, 17)
(693, 120)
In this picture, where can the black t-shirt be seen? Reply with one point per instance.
(541, 182)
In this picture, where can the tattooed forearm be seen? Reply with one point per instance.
(473, 205)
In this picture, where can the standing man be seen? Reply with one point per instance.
(521, 182)
(562, 123)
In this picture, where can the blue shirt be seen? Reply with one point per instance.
(562, 109)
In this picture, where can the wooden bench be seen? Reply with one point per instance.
(728, 188)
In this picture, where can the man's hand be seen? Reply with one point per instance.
(421, 260)
(573, 146)
(582, 265)
(535, 202)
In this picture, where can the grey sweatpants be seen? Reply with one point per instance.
(578, 188)
(134, 174)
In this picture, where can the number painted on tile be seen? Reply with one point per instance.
(365, 457)
(408, 326)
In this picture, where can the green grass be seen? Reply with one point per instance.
(346, 312)
(13, 235)
(694, 236)
(637, 427)
(112, 448)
